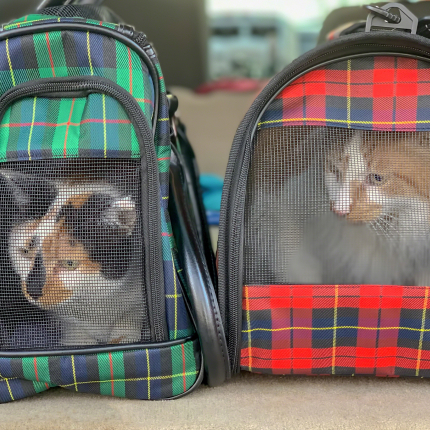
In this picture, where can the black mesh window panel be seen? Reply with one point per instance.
(338, 206)
(71, 255)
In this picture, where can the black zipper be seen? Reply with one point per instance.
(149, 172)
(230, 242)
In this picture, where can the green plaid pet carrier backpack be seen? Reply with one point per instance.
(98, 293)
(324, 247)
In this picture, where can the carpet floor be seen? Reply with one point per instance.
(245, 402)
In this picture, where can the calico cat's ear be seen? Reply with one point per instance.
(121, 214)
(31, 194)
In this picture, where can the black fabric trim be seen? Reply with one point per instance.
(96, 349)
(200, 291)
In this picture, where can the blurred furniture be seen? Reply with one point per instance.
(178, 29)
(12, 9)
(212, 120)
(252, 45)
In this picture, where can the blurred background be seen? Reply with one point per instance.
(216, 55)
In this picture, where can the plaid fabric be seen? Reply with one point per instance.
(39, 128)
(178, 321)
(341, 330)
(371, 93)
(93, 127)
(37, 19)
(142, 374)
(75, 53)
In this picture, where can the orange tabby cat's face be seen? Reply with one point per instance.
(367, 180)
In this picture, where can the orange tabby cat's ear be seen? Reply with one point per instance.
(122, 214)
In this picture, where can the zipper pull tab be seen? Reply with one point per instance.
(126, 30)
(142, 41)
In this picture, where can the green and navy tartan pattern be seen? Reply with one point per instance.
(76, 53)
(93, 127)
(178, 322)
(37, 19)
(59, 54)
(145, 374)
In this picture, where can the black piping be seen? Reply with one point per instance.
(96, 349)
(201, 293)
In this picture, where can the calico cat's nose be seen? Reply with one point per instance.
(36, 278)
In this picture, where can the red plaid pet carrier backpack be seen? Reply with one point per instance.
(324, 237)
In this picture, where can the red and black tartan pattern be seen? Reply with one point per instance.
(342, 330)
(369, 93)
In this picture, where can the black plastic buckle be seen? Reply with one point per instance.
(380, 17)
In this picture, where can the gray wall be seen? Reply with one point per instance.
(178, 29)
(11, 9)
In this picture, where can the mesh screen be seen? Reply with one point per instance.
(338, 206)
(71, 254)
(97, 13)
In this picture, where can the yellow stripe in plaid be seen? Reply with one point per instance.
(149, 378)
(31, 128)
(10, 63)
(89, 53)
(8, 385)
(149, 375)
(344, 121)
(338, 328)
(74, 373)
(248, 323)
(336, 300)
(423, 323)
(348, 89)
(175, 297)
(104, 126)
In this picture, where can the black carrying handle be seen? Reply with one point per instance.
(53, 3)
(200, 289)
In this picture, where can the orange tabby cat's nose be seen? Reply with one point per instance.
(340, 206)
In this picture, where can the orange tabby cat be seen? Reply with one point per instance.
(378, 230)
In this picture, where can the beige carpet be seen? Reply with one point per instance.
(246, 402)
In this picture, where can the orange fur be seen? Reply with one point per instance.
(404, 167)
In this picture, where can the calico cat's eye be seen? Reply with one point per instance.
(376, 179)
(70, 264)
(24, 251)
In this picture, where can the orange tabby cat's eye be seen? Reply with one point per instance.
(70, 264)
(375, 179)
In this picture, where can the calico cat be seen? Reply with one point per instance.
(371, 224)
(79, 260)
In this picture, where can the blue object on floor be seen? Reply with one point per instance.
(212, 191)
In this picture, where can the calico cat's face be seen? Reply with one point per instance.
(80, 246)
(368, 180)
